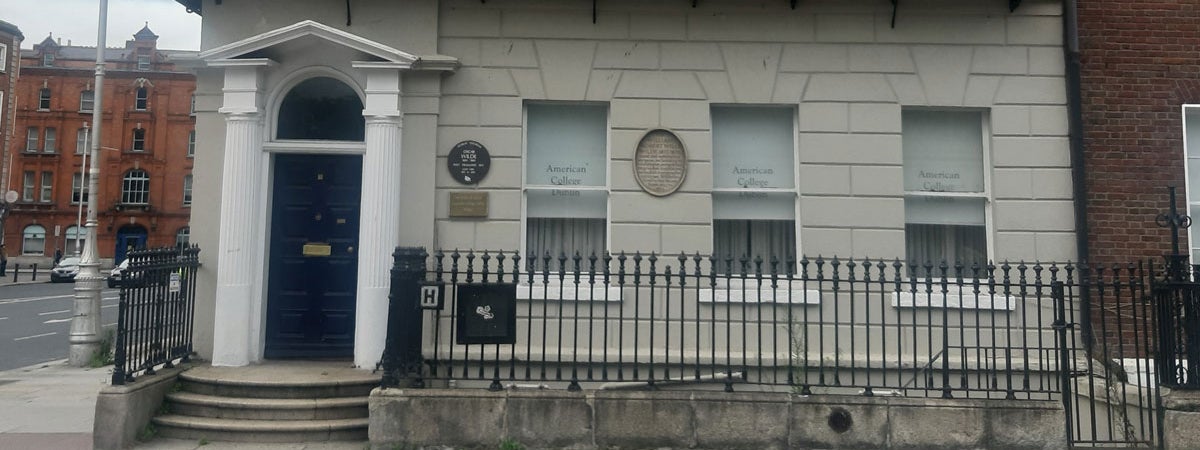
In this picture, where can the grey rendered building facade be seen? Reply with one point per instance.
(854, 112)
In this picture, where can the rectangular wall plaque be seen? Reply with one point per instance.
(469, 204)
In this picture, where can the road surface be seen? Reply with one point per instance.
(35, 320)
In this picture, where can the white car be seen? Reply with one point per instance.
(114, 276)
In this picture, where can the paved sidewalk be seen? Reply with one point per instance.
(53, 406)
(49, 406)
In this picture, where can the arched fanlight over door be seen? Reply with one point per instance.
(321, 108)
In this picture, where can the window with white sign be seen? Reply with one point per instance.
(3, 57)
(1191, 155)
(754, 187)
(946, 195)
(566, 182)
(73, 240)
(33, 240)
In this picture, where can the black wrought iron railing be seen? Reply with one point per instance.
(155, 313)
(812, 325)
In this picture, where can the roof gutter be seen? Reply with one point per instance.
(1075, 126)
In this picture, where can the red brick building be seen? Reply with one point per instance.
(146, 148)
(1139, 67)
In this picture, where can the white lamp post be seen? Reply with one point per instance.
(85, 322)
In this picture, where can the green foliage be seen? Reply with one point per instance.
(104, 355)
(147, 433)
(203, 441)
(510, 444)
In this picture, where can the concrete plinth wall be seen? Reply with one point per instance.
(464, 418)
(123, 411)
(1181, 420)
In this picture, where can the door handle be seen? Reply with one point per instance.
(350, 249)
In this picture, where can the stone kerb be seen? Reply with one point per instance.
(707, 420)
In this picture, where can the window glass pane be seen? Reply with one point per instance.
(51, 144)
(139, 139)
(944, 210)
(33, 240)
(754, 205)
(47, 186)
(191, 148)
(73, 240)
(566, 145)
(31, 139)
(77, 189)
(752, 147)
(86, 100)
(135, 188)
(735, 239)
(183, 236)
(44, 98)
(943, 151)
(564, 236)
(187, 190)
(82, 141)
(566, 203)
(140, 100)
(27, 187)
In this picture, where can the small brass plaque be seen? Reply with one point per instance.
(317, 249)
(469, 204)
(341, 221)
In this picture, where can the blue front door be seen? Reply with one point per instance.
(129, 237)
(313, 264)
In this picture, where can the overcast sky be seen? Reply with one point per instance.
(76, 21)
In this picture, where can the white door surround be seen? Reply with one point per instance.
(376, 71)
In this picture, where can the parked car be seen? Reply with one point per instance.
(65, 271)
(115, 276)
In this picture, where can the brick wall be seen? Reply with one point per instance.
(1139, 64)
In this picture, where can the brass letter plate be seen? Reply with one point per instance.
(469, 204)
(317, 249)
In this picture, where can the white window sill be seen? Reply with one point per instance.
(567, 290)
(954, 298)
(737, 290)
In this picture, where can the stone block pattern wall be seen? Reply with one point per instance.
(475, 418)
(1138, 67)
(842, 66)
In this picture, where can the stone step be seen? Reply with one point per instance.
(243, 430)
(199, 405)
(219, 384)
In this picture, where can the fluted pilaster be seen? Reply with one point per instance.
(379, 232)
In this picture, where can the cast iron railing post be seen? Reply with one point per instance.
(402, 352)
(1064, 359)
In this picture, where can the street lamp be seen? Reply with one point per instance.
(84, 337)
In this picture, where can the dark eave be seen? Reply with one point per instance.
(191, 5)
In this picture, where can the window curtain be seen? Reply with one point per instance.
(769, 239)
(954, 244)
(564, 236)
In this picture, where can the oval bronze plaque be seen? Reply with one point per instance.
(660, 163)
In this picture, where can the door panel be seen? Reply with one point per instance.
(312, 278)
